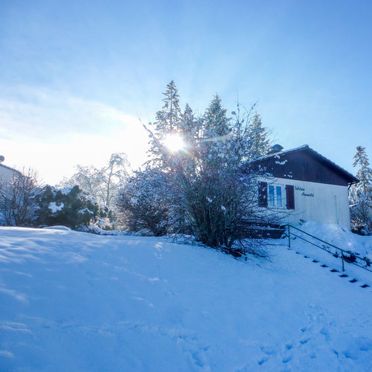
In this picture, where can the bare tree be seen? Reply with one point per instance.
(17, 198)
(113, 176)
(102, 184)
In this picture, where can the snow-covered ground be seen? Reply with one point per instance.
(73, 301)
(340, 237)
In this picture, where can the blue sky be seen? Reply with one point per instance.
(75, 76)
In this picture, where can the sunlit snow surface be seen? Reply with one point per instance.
(73, 301)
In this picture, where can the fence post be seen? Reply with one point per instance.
(343, 264)
(289, 236)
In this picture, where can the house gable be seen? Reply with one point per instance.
(7, 173)
(303, 164)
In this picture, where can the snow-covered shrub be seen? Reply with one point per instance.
(143, 202)
(68, 206)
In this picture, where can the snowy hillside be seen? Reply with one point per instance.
(79, 302)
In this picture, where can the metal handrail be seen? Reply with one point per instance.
(344, 254)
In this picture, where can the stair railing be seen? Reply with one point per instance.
(337, 252)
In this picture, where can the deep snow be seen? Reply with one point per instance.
(340, 237)
(74, 301)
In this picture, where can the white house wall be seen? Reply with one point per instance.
(318, 202)
(6, 174)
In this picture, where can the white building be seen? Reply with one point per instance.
(302, 185)
(7, 173)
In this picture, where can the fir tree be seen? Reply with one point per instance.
(189, 125)
(167, 121)
(364, 173)
(361, 193)
(216, 123)
(69, 207)
(215, 132)
(167, 118)
(259, 142)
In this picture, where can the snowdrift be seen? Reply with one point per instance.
(340, 237)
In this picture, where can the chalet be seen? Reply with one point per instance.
(303, 185)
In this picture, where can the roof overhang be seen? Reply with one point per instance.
(351, 179)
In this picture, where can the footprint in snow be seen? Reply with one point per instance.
(364, 344)
(196, 351)
(358, 349)
(268, 350)
(287, 359)
(304, 341)
(262, 361)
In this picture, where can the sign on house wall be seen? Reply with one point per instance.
(303, 192)
(319, 202)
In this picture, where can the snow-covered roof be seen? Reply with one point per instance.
(281, 153)
(314, 153)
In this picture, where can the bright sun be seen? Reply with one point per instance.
(174, 142)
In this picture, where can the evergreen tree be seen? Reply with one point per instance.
(215, 138)
(361, 193)
(259, 141)
(167, 121)
(168, 117)
(216, 123)
(68, 206)
(364, 173)
(189, 125)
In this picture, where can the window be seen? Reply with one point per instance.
(279, 203)
(271, 197)
(275, 196)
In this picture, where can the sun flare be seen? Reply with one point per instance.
(174, 142)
